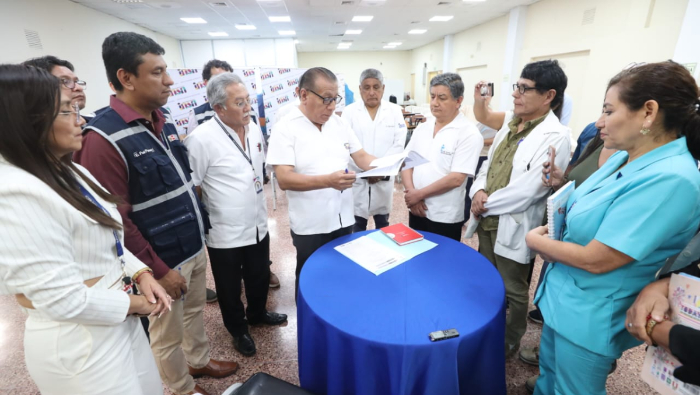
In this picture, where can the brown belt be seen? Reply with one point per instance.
(27, 304)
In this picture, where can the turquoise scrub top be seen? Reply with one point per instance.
(648, 210)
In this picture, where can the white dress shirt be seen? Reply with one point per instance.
(48, 249)
(384, 135)
(298, 142)
(454, 149)
(237, 208)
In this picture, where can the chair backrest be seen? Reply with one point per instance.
(688, 255)
(264, 384)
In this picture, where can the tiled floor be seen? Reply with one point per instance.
(277, 346)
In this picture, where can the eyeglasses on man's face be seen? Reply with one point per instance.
(243, 103)
(76, 112)
(70, 84)
(327, 100)
(522, 88)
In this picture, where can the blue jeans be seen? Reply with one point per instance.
(569, 369)
(380, 221)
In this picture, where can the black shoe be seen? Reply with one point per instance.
(535, 316)
(269, 318)
(211, 296)
(244, 344)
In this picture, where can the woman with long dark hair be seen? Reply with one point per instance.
(61, 251)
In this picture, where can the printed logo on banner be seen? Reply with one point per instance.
(184, 72)
(252, 85)
(199, 85)
(187, 104)
(206, 99)
(294, 92)
(265, 76)
(181, 121)
(178, 91)
(276, 88)
(268, 105)
(284, 71)
(248, 73)
(293, 82)
(282, 99)
(267, 121)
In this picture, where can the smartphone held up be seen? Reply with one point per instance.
(487, 89)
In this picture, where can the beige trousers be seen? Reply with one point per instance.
(178, 337)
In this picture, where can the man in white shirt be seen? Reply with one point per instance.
(226, 155)
(434, 192)
(508, 198)
(381, 129)
(310, 151)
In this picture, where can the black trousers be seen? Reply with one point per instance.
(453, 231)
(308, 244)
(229, 265)
(380, 221)
(467, 200)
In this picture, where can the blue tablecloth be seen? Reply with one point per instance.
(364, 334)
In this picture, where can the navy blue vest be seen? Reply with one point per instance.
(166, 209)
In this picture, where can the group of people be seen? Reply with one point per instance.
(109, 217)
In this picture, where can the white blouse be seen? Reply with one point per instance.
(48, 249)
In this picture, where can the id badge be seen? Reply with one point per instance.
(258, 184)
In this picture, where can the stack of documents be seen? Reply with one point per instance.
(377, 253)
(391, 165)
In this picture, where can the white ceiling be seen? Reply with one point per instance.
(317, 22)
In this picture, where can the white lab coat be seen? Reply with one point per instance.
(521, 204)
(383, 136)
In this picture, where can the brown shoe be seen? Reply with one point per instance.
(530, 356)
(274, 281)
(198, 391)
(215, 369)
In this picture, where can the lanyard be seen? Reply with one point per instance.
(237, 145)
(120, 249)
(165, 140)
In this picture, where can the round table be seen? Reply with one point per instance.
(364, 334)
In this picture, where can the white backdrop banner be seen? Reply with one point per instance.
(189, 91)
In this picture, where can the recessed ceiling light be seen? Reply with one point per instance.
(389, 47)
(218, 34)
(417, 31)
(286, 32)
(341, 46)
(296, 41)
(193, 20)
(353, 32)
(441, 18)
(245, 27)
(280, 19)
(362, 18)
(394, 44)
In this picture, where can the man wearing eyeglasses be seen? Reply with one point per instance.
(508, 198)
(227, 156)
(310, 150)
(65, 72)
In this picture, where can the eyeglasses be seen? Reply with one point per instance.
(243, 103)
(522, 88)
(327, 100)
(70, 84)
(76, 111)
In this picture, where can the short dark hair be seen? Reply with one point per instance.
(452, 81)
(673, 88)
(125, 50)
(215, 63)
(547, 75)
(308, 79)
(48, 62)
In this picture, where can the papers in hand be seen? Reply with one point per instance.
(391, 165)
(556, 210)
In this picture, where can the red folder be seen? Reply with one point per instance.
(402, 234)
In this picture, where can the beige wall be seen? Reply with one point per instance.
(72, 32)
(351, 64)
(623, 31)
(430, 54)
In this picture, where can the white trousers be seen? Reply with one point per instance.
(69, 359)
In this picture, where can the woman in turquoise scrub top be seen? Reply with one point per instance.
(638, 209)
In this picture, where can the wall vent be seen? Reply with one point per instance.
(347, 2)
(588, 16)
(33, 39)
(444, 3)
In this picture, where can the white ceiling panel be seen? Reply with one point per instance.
(319, 24)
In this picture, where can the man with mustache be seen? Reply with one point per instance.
(132, 148)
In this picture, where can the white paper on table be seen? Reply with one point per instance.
(390, 165)
(371, 255)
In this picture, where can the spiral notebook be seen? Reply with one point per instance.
(556, 210)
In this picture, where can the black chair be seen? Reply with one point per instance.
(264, 384)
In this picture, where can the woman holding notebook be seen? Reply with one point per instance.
(641, 207)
